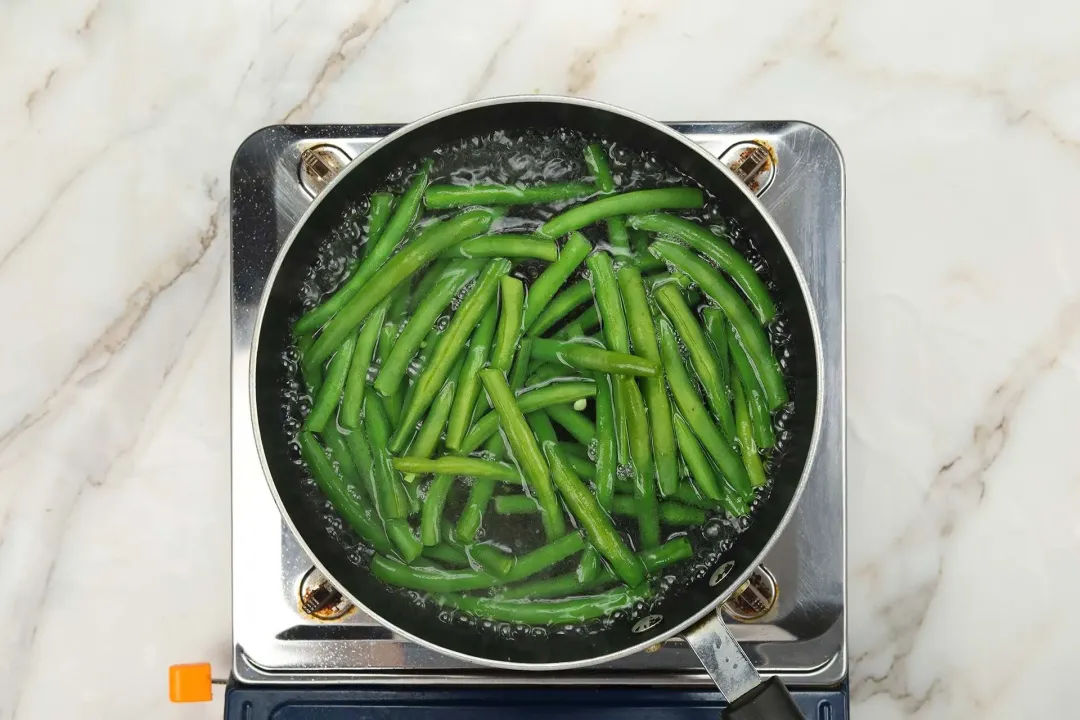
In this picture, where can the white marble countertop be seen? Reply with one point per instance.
(960, 124)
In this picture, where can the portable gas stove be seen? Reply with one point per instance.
(301, 650)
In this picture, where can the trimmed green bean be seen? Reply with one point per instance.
(755, 394)
(643, 339)
(312, 374)
(472, 514)
(491, 559)
(376, 256)
(545, 286)
(637, 426)
(584, 506)
(580, 464)
(468, 389)
(542, 427)
(548, 372)
(417, 367)
(717, 249)
(508, 246)
(526, 452)
(427, 437)
(653, 559)
(515, 505)
(589, 565)
(395, 273)
(429, 579)
(365, 464)
(702, 472)
(701, 355)
(392, 500)
(716, 328)
(455, 277)
(394, 401)
(742, 320)
(544, 557)
(597, 162)
(447, 554)
(329, 395)
(341, 454)
(432, 509)
(554, 393)
(671, 513)
(508, 333)
(697, 416)
(561, 305)
(609, 302)
(542, 613)
(580, 326)
(521, 365)
(348, 504)
(450, 345)
(440, 197)
(580, 427)
(747, 446)
(404, 539)
(607, 444)
(590, 357)
(458, 465)
(637, 201)
(382, 203)
(427, 283)
(352, 402)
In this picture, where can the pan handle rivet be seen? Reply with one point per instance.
(319, 165)
(755, 599)
(319, 599)
(647, 623)
(720, 573)
(753, 163)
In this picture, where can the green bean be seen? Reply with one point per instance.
(581, 325)
(584, 506)
(392, 500)
(312, 374)
(455, 277)
(574, 450)
(544, 557)
(606, 445)
(378, 217)
(548, 372)
(534, 399)
(341, 454)
(541, 613)
(427, 283)
(596, 161)
(508, 246)
(429, 579)
(542, 427)
(716, 328)
(678, 279)
(526, 452)
(439, 197)
(521, 365)
(575, 423)
(747, 446)
(697, 417)
(451, 344)
(431, 340)
(647, 264)
(427, 437)
(609, 302)
(515, 505)
(717, 249)
(432, 509)
(507, 334)
(643, 338)
(377, 255)
(702, 471)
(447, 554)
(347, 503)
(329, 395)
(653, 559)
(637, 201)
(352, 401)
(742, 320)
(394, 401)
(472, 514)
(545, 286)
(458, 465)
(491, 559)
(671, 513)
(365, 464)
(395, 273)
(561, 305)
(583, 466)
(468, 387)
(589, 565)
(637, 426)
(755, 394)
(401, 534)
(701, 355)
(590, 357)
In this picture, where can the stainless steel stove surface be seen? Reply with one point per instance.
(802, 634)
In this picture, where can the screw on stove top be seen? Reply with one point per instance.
(753, 163)
(319, 165)
(320, 599)
(755, 598)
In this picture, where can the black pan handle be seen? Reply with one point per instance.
(749, 696)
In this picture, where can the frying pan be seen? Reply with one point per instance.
(690, 610)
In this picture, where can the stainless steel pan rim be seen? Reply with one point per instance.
(815, 331)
